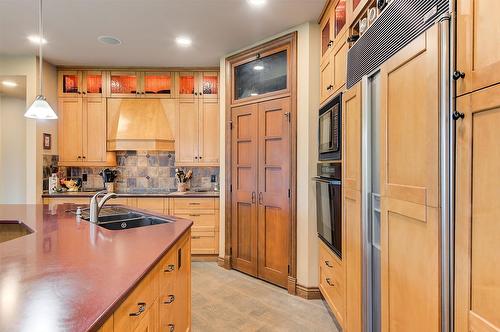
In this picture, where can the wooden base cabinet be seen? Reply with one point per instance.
(332, 281)
(477, 227)
(162, 301)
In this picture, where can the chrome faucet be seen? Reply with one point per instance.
(96, 205)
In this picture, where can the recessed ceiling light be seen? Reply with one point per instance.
(258, 67)
(10, 84)
(36, 39)
(109, 40)
(183, 41)
(257, 3)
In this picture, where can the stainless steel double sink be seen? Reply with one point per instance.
(118, 218)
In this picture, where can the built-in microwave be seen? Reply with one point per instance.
(330, 131)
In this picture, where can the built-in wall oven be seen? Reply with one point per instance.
(330, 131)
(329, 205)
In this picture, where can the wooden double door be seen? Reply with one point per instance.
(260, 211)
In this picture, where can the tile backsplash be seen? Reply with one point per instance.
(145, 172)
(48, 165)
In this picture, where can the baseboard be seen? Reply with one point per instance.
(204, 258)
(224, 262)
(292, 285)
(308, 293)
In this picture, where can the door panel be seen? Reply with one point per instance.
(478, 44)
(477, 285)
(409, 120)
(94, 147)
(70, 129)
(410, 266)
(274, 171)
(186, 140)
(326, 86)
(209, 132)
(244, 182)
(352, 137)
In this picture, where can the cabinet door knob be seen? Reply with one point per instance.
(84, 157)
(169, 268)
(195, 157)
(79, 157)
(329, 87)
(329, 282)
(170, 299)
(457, 115)
(253, 197)
(458, 75)
(327, 263)
(171, 327)
(330, 43)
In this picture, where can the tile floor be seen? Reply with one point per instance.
(231, 301)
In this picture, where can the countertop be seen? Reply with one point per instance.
(166, 194)
(70, 275)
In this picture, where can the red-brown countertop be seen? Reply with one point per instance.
(70, 275)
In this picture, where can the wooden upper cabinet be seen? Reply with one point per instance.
(478, 44)
(333, 69)
(186, 138)
(81, 83)
(82, 133)
(187, 85)
(124, 84)
(209, 85)
(354, 9)
(477, 230)
(157, 84)
(208, 141)
(326, 37)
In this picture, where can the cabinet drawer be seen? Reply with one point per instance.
(138, 303)
(202, 221)
(193, 203)
(204, 242)
(156, 205)
(331, 282)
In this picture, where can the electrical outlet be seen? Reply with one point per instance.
(213, 178)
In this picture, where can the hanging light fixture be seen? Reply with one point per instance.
(40, 109)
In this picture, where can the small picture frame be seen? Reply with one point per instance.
(47, 141)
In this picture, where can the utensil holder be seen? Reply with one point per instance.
(182, 187)
(110, 187)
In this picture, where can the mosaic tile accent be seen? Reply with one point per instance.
(146, 172)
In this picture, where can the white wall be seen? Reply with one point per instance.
(27, 66)
(12, 150)
(307, 111)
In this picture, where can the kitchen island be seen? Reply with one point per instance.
(66, 274)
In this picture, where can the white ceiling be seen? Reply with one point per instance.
(147, 29)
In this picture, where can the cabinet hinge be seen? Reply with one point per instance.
(289, 193)
(288, 269)
(231, 188)
(231, 125)
(231, 252)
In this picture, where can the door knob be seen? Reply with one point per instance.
(458, 75)
(457, 115)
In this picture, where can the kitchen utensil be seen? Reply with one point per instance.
(108, 175)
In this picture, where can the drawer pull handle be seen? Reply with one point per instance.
(170, 299)
(194, 215)
(142, 308)
(193, 203)
(171, 327)
(196, 237)
(327, 263)
(329, 282)
(170, 268)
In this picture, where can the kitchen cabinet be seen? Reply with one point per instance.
(351, 137)
(333, 69)
(478, 44)
(162, 300)
(82, 132)
(197, 85)
(477, 230)
(355, 8)
(153, 204)
(197, 132)
(82, 83)
(332, 282)
(409, 179)
(86, 201)
(204, 212)
(141, 84)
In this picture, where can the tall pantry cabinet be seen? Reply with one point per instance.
(477, 209)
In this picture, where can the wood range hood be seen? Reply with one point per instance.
(141, 124)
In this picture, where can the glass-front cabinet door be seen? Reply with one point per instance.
(157, 85)
(209, 85)
(186, 85)
(266, 75)
(94, 83)
(326, 37)
(340, 17)
(124, 84)
(70, 83)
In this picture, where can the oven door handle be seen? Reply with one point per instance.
(324, 180)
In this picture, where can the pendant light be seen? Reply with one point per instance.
(40, 109)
